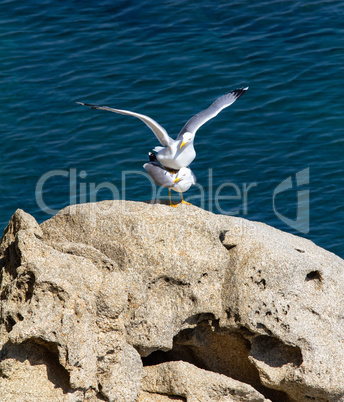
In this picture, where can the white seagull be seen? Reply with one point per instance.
(180, 181)
(175, 154)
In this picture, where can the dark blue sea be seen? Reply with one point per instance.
(275, 156)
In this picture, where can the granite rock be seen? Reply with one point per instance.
(112, 300)
(194, 384)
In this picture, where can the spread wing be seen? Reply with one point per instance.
(213, 110)
(159, 131)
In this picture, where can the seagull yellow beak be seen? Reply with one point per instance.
(176, 180)
(182, 144)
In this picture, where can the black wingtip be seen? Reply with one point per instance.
(238, 92)
(152, 157)
(87, 104)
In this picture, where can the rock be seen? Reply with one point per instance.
(31, 373)
(153, 397)
(61, 302)
(124, 301)
(194, 384)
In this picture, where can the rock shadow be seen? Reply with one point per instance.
(39, 352)
(219, 350)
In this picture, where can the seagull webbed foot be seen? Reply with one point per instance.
(185, 202)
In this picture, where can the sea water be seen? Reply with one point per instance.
(274, 156)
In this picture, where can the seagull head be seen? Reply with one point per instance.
(186, 138)
(182, 174)
(183, 180)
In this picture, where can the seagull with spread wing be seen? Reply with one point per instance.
(178, 153)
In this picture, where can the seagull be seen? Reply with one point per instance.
(178, 153)
(180, 181)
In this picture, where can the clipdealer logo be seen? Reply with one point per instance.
(301, 223)
(210, 198)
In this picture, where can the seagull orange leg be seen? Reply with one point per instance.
(184, 202)
(169, 196)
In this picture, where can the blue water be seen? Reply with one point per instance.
(169, 61)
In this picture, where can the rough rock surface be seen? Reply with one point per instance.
(126, 301)
(195, 384)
